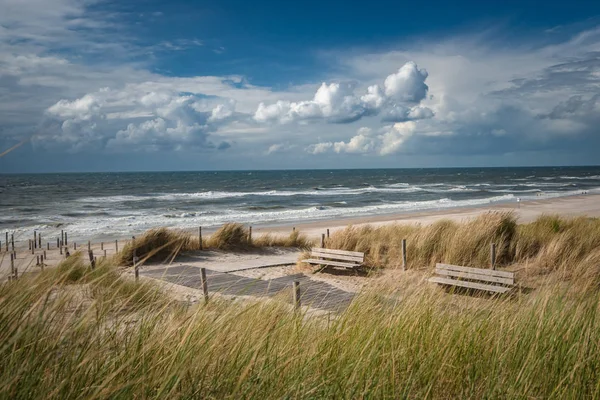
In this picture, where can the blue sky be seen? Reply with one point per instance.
(94, 85)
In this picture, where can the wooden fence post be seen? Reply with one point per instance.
(62, 236)
(116, 246)
(37, 260)
(32, 247)
(204, 284)
(6, 241)
(493, 255)
(39, 240)
(89, 245)
(34, 239)
(12, 264)
(12, 241)
(296, 293)
(66, 239)
(327, 233)
(29, 244)
(47, 245)
(322, 240)
(60, 249)
(199, 238)
(136, 268)
(403, 254)
(44, 254)
(74, 245)
(104, 253)
(250, 234)
(101, 245)
(92, 259)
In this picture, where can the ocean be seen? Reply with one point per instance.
(105, 205)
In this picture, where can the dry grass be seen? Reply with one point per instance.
(551, 243)
(160, 245)
(87, 337)
(294, 239)
(163, 245)
(72, 332)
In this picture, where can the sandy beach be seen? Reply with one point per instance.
(573, 206)
(526, 211)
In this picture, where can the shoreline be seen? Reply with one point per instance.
(526, 211)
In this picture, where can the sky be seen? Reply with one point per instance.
(98, 85)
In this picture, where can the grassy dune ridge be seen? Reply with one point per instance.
(71, 332)
(549, 244)
(164, 244)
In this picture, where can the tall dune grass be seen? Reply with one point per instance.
(551, 243)
(78, 335)
(162, 244)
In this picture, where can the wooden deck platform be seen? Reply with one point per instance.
(314, 294)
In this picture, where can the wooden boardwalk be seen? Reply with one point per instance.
(314, 294)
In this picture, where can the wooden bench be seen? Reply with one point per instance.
(474, 278)
(336, 258)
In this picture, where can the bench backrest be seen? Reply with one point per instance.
(331, 254)
(477, 274)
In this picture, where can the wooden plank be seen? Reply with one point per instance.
(480, 277)
(332, 263)
(489, 272)
(342, 252)
(470, 285)
(318, 253)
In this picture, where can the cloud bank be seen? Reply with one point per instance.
(71, 80)
(338, 103)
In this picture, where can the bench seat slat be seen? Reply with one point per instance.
(471, 285)
(341, 252)
(480, 271)
(479, 277)
(326, 254)
(332, 263)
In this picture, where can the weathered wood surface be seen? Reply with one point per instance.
(341, 252)
(336, 258)
(474, 278)
(325, 254)
(481, 271)
(314, 294)
(331, 263)
(478, 277)
(471, 285)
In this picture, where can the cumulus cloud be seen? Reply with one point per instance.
(319, 148)
(338, 102)
(387, 140)
(485, 99)
(408, 84)
(170, 120)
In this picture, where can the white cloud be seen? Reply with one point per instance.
(408, 84)
(388, 140)
(222, 111)
(319, 148)
(395, 136)
(359, 144)
(338, 103)
(476, 96)
(158, 134)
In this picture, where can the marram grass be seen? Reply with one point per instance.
(163, 244)
(96, 334)
(570, 246)
(70, 332)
